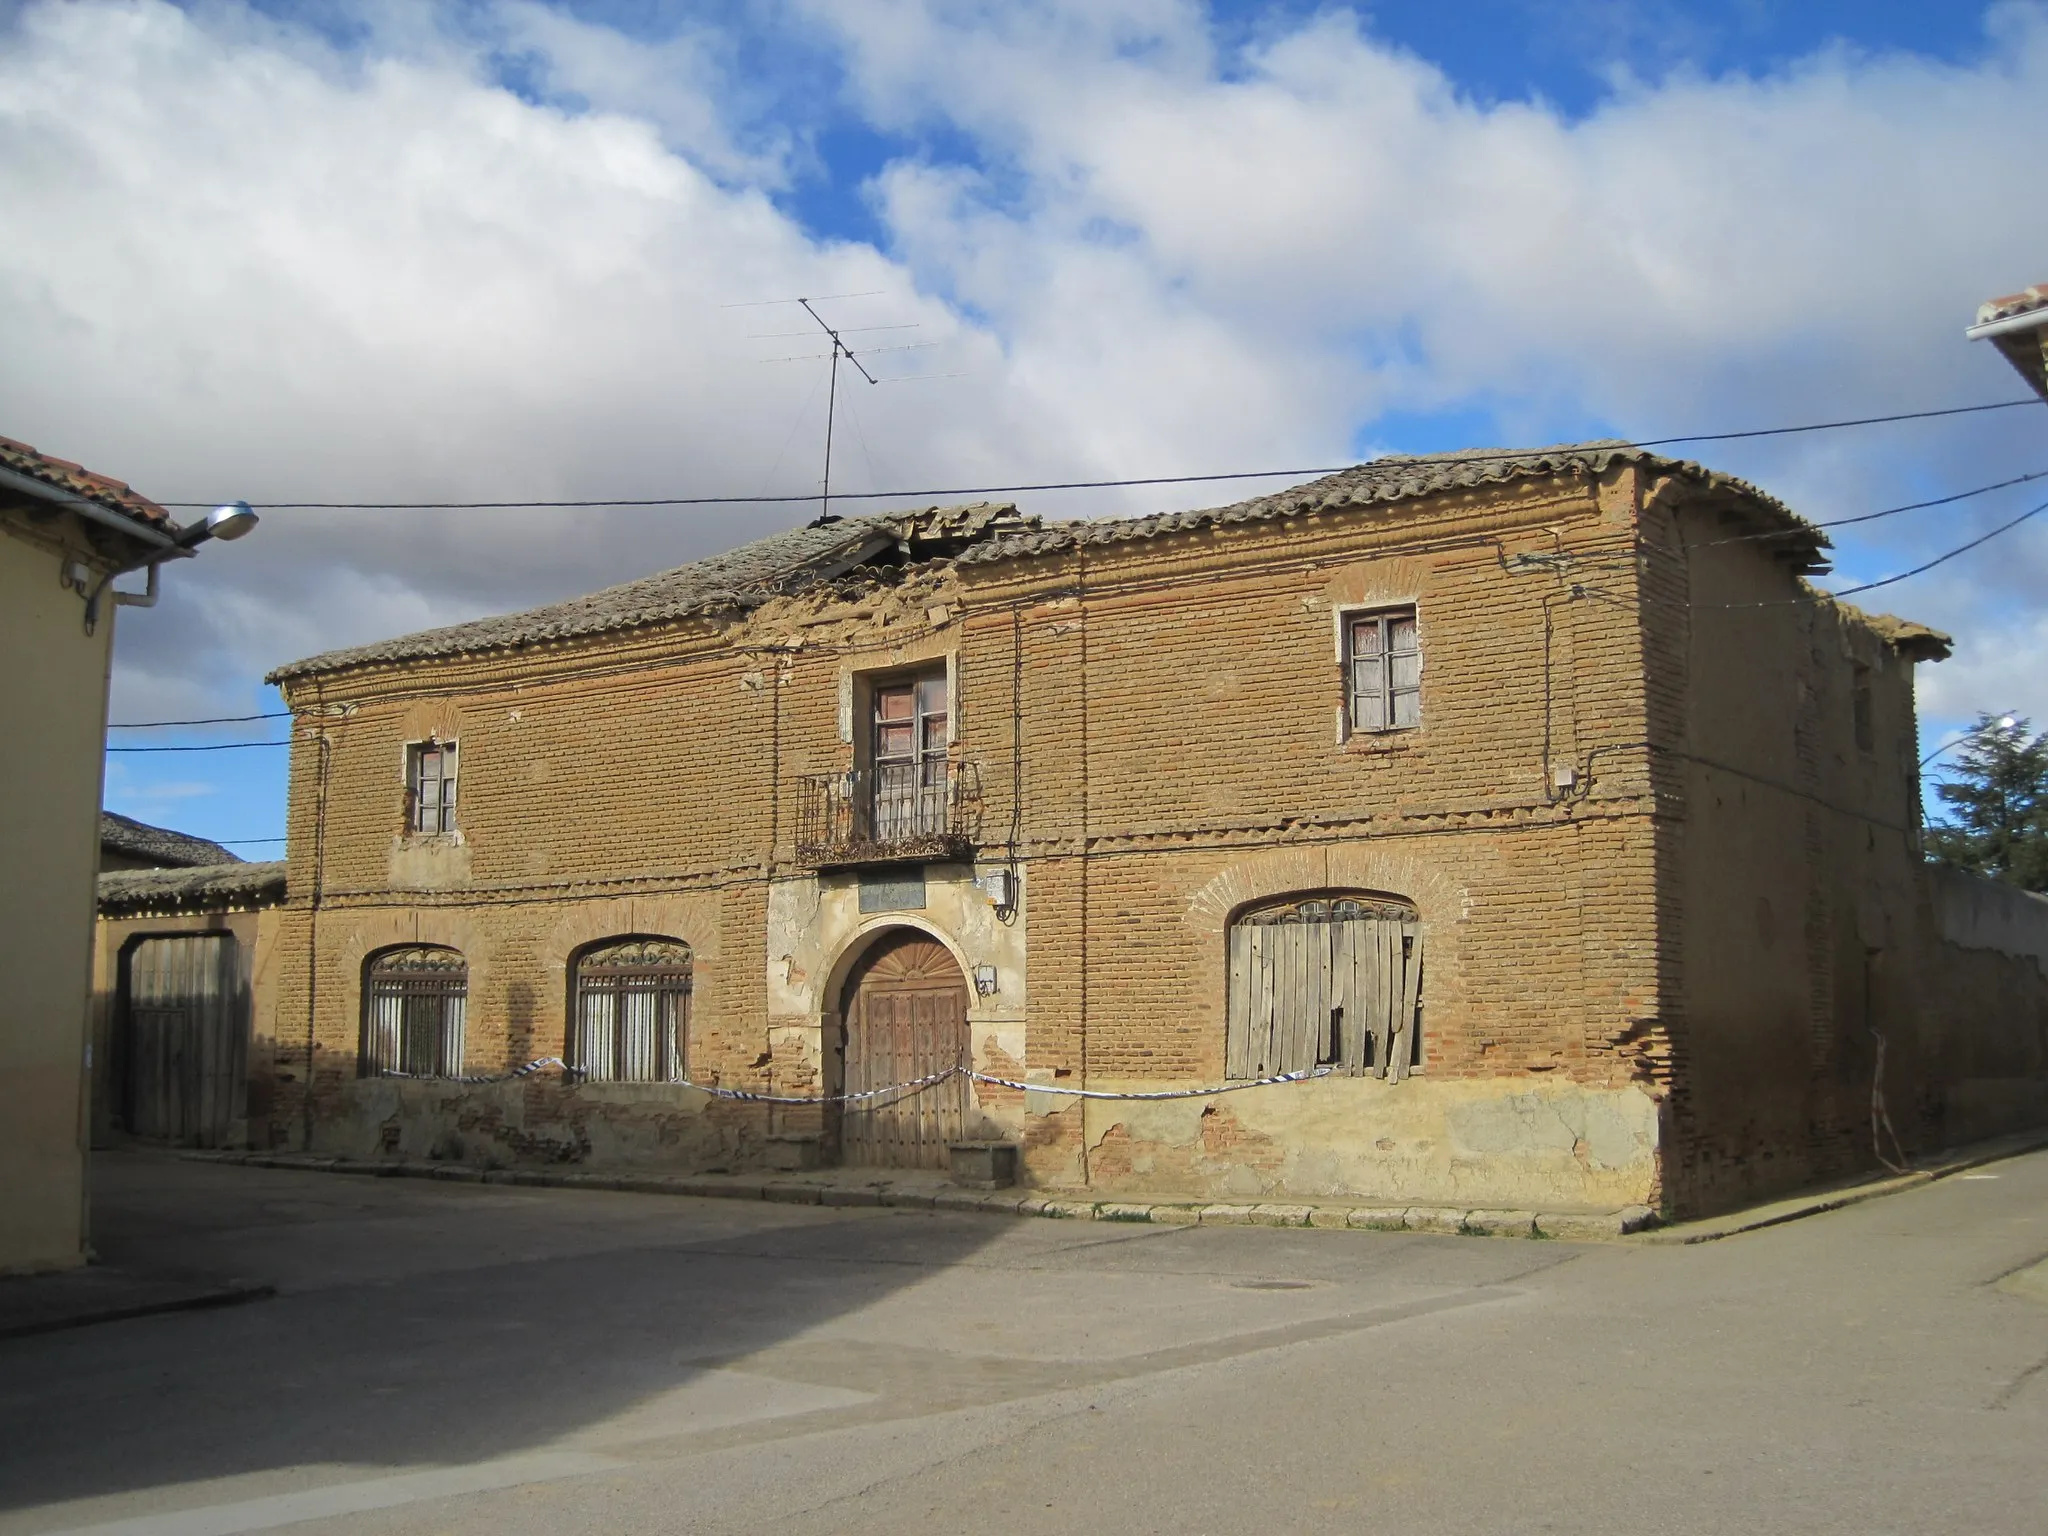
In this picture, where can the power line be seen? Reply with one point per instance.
(1871, 586)
(1090, 485)
(1942, 559)
(206, 746)
(1871, 517)
(151, 725)
(1814, 597)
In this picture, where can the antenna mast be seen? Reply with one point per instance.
(839, 349)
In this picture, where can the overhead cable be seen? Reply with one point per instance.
(152, 725)
(1489, 456)
(1824, 596)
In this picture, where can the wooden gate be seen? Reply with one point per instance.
(185, 1047)
(906, 1018)
(1333, 981)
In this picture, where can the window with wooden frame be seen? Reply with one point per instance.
(908, 756)
(414, 1003)
(632, 1011)
(430, 787)
(1329, 980)
(1383, 671)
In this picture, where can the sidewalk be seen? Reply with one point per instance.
(1835, 1197)
(920, 1190)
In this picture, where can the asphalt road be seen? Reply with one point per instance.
(457, 1359)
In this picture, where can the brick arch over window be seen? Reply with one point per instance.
(629, 1009)
(1324, 978)
(415, 1006)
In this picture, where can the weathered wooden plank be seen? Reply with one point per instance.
(1342, 1023)
(1263, 1000)
(1299, 1022)
(1326, 990)
(1385, 961)
(1397, 1023)
(1411, 994)
(1357, 995)
(1237, 1040)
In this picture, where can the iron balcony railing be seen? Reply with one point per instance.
(898, 813)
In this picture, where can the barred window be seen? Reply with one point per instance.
(632, 1011)
(430, 786)
(1383, 656)
(1325, 980)
(414, 1001)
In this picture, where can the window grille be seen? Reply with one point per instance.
(1329, 980)
(632, 1011)
(430, 786)
(1384, 659)
(414, 1001)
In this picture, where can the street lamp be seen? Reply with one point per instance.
(228, 521)
(2003, 722)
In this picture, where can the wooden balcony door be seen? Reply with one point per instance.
(906, 1018)
(908, 750)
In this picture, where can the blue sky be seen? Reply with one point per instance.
(364, 248)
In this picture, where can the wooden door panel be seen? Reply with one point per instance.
(906, 1018)
(186, 1038)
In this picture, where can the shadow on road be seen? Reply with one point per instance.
(419, 1324)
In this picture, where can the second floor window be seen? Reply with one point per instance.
(1383, 657)
(430, 786)
(910, 756)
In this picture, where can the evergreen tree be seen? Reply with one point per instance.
(1997, 805)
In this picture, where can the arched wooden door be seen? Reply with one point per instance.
(906, 1018)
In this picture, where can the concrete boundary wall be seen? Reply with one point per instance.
(1974, 912)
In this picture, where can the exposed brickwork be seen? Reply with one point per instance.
(1157, 723)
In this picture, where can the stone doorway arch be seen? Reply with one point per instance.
(904, 1017)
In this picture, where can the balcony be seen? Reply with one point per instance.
(892, 815)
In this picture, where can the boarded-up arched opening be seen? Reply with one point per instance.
(1332, 978)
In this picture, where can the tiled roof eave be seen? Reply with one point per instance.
(1393, 481)
(206, 887)
(60, 481)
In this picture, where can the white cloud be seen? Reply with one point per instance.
(246, 263)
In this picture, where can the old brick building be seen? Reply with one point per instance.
(1533, 795)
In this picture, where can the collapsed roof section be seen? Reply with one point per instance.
(745, 578)
(734, 582)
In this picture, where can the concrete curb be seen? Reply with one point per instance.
(121, 1297)
(1757, 1217)
(1570, 1226)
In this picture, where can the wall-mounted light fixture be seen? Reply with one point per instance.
(985, 980)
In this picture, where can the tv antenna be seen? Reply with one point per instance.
(837, 336)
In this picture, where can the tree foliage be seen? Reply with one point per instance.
(1996, 820)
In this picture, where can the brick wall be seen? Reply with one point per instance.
(1613, 778)
(1175, 706)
